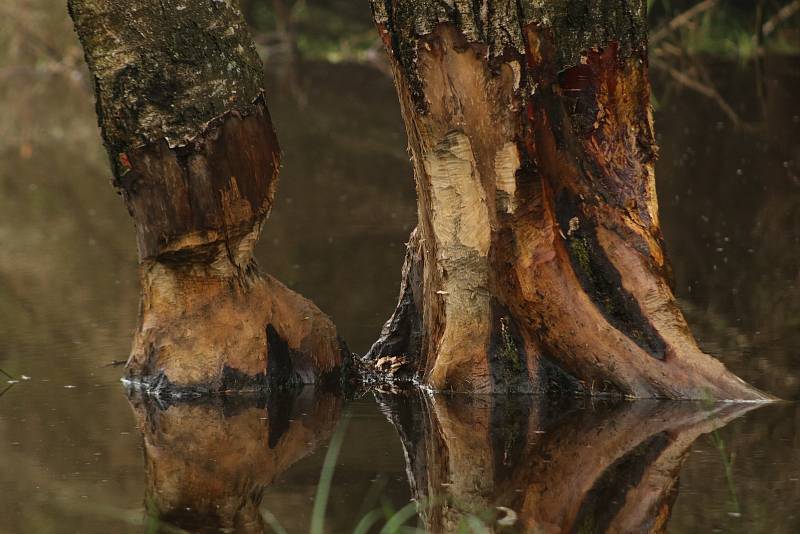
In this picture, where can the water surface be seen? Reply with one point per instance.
(76, 455)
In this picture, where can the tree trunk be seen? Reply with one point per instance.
(537, 262)
(610, 468)
(207, 466)
(183, 115)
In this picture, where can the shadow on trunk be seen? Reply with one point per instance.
(207, 463)
(520, 465)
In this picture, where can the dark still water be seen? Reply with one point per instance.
(76, 455)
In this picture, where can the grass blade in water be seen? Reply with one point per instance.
(325, 479)
(366, 523)
(398, 519)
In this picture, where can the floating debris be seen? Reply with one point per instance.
(509, 518)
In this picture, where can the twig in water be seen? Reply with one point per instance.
(700, 87)
(8, 375)
(783, 13)
(681, 20)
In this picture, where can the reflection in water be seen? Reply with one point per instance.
(207, 464)
(730, 204)
(70, 458)
(547, 468)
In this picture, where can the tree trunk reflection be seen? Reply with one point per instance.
(518, 464)
(207, 464)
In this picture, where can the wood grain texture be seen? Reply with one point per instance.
(183, 115)
(539, 247)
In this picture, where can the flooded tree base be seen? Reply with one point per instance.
(537, 264)
(195, 156)
(207, 335)
(538, 261)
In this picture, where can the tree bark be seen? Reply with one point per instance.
(537, 263)
(183, 115)
(207, 466)
(525, 466)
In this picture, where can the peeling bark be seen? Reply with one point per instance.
(207, 465)
(538, 262)
(182, 112)
(524, 466)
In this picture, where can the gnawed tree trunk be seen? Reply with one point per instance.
(207, 465)
(184, 119)
(524, 466)
(537, 262)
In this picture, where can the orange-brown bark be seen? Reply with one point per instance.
(183, 115)
(538, 261)
(524, 466)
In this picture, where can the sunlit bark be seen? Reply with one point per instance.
(537, 263)
(184, 119)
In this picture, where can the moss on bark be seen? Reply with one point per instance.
(165, 68)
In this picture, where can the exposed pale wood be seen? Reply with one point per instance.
(539, 262)
(183, 115)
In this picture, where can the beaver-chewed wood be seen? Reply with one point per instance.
(182, 111)
(538, 261)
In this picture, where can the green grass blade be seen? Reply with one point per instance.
(475, 525)
(401, 516)
(273, 522)
(325, 479)
(367, 521)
